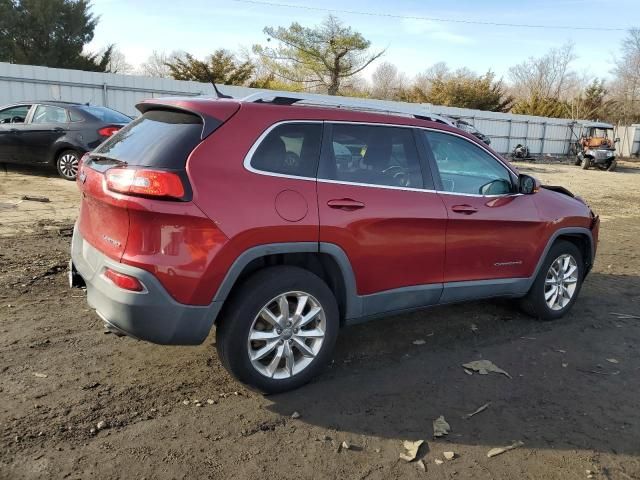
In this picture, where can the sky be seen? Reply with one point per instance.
(138, 27)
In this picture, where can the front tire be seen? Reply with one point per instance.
(67, 164)
(586, 163)
(612, 166)
(557, 284)
(279, 329)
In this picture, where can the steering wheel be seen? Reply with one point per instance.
(399, 174)
(17, 119)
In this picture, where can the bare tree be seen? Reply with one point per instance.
(626, 86)
(157, 65)
(116, 62)
(548, 76)
(387, 82)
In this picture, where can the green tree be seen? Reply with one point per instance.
(462, 88)
(542, 107)
(221, 67)
(51, 33)
(320, 57)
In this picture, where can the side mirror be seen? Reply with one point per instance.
(528, 184)
(617, 140)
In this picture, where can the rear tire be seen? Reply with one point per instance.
(67, 164)
(265, 350)
(562, 271)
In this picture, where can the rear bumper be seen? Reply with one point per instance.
(151, 315)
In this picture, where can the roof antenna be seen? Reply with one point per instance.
(219, 94)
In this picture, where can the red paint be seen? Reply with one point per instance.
(394, 238)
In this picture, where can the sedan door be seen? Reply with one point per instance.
(11, 128)
(493, 232)
(375, 204)
(48, 123)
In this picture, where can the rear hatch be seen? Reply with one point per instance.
(154, 149)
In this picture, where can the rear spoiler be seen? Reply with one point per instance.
(212, 112)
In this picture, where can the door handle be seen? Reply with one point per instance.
(464, 209)
(346, 204)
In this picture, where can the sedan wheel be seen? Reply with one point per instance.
(67, 164)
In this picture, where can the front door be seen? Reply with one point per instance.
(493, 232)
(373, 204)
(11, 128)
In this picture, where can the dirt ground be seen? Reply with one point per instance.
(573, 397)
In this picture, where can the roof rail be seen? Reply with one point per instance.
(375, 106)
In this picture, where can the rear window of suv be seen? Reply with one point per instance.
(159, 138)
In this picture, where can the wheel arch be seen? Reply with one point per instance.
(59, 148)
(579, 236)
(327, 261)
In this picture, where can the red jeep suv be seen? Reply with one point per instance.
(280, 218)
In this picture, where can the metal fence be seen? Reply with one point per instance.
(543, 136)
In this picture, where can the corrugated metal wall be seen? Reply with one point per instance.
(121, 92)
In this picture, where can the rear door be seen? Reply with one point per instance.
(376, 204)
(492, 232)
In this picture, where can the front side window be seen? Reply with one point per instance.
(290, 149)
(370, 154)
(50, 114)
(467, 168)
(14, 114)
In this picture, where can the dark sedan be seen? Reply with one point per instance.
(55, 133)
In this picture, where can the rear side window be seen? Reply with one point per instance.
(159, 138)
(105, 114)
(375, 155)
(50, 114)
(290, 149)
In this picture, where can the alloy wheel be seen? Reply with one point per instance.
(68, 165)
(286, 335)
(561, 282)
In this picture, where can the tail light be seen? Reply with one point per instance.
(126, 282)
(145, 182)
(108, 131)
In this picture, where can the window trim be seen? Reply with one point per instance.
(247, 159)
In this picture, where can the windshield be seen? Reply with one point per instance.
(602, 132)
(105, 114)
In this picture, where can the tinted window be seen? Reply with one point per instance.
(75, 116)
(161, 138)
(373, 155)
(14, 114)
(105, 114)
(466, 168)
(50, 114)
(290, 149)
